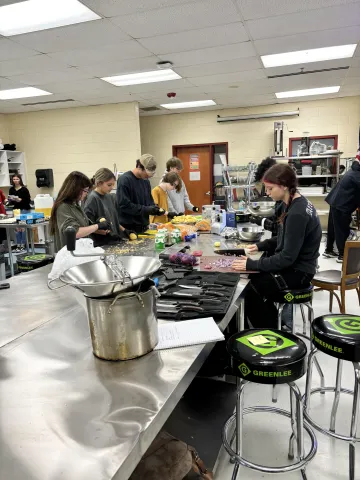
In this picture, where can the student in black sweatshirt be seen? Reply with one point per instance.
(291, 258)
(133, 195)
(343, 199)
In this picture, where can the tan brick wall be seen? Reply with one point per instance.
(252, 140)
(84, 139)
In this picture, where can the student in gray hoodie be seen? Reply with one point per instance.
(178, 202)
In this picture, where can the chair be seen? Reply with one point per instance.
(346, 279)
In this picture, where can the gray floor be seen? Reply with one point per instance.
(266, 436)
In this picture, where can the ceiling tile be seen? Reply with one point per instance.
(354, 72)
(229, 77)
(237, 88)
(351, 81)
(111, 8)
(229, 66)
(14, 109)
(123, 51)
(179, 18)
(9, 83)
(309, 67)
(86, 85)
(93, 100)
(49, 106)
(10, 50)
(282, 25)
(201, 38)
(180, 97)
(244, 100)
(307, 81)
(161, 96)
(303, 41)
(82, 35)
(210, 55)
(37, 63)
(120, 67)
(51, 76)
(269, 8)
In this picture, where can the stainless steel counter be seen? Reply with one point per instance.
(66, 414)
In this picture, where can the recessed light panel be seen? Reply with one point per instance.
(35, 15)
(198, 103)
(308, 92)
(142, 77)
(22, 93)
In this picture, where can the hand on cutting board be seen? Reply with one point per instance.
(240, 263)
(252, 248)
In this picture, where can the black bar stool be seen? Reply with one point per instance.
(303, 298)
(337, 336)
(268, 357)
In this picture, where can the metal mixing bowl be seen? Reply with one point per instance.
(96, 279)
(250, 234)
(262, 209)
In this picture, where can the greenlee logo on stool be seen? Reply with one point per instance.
(349, 325)
(276, 342)
(244, 369)
(289, 297)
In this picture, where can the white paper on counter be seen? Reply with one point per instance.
(188, 332)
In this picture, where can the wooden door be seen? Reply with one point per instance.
(197, 172)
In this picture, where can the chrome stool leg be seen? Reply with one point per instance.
(298, 427)
(316, 361)
(293, 419)
(337, 395)
(309, 379)
(303, 317)
(354, 420)
(352, 439)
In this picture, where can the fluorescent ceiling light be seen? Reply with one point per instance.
(308, 56)
(22, 93)
(142, 77)
(198, 103)
(308, 92)
(34, 15)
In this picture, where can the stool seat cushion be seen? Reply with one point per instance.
(267, 356)
(338, 335)
(333, 277)
(294, 297)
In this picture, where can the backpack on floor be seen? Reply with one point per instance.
(168, 458)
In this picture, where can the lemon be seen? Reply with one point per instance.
(133, 236)
(217, 244)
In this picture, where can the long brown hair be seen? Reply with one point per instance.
(285, 176)
(69, 192)
(19, 177)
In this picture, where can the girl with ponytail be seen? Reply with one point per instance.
(290, 259)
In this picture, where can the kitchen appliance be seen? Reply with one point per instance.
(209, 211)
(250, 234)
(220, 222)
(241, 217)
(262, 209)
(231, 219)
(125, 326)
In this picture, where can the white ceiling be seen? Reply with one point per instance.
(215, 45)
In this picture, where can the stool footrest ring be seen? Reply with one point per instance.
(318, 427)
(283, 469)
